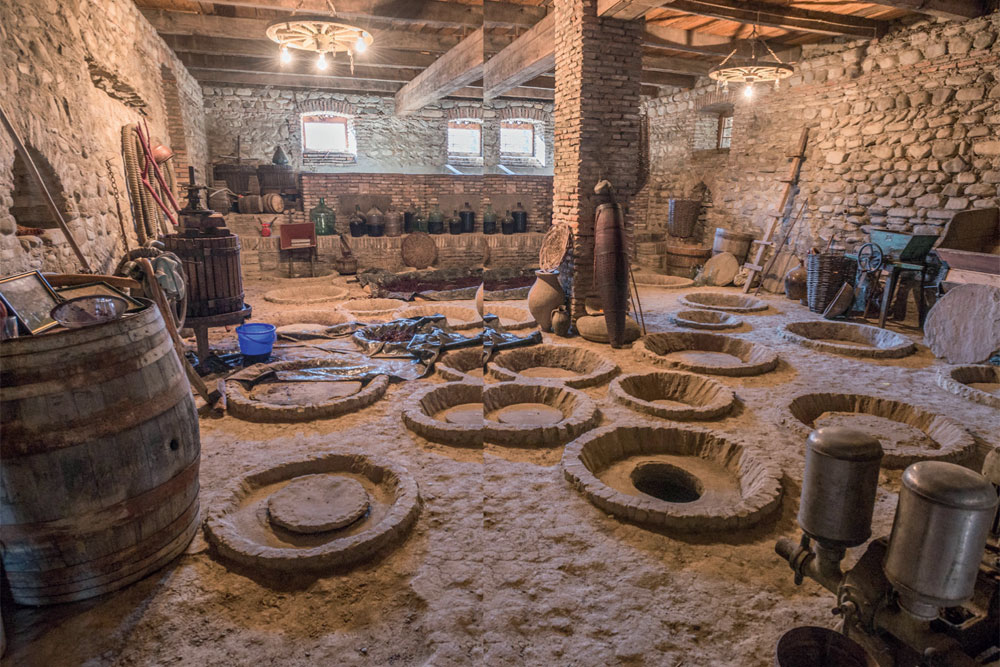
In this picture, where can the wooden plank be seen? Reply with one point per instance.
(627, 9)
(266, 50)
(688, 66)
(180, 23)
(528, 56)
(784, 17)
(432, 13)
(945, 9)
(301, 67)
(462, 65)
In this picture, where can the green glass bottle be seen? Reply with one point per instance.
(324, 218)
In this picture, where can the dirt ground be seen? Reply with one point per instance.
(507, 564)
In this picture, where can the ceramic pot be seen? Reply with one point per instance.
(560, 322)
(479, 300)
(545, 296)
(795, 283)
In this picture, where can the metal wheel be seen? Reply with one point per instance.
(870, 257)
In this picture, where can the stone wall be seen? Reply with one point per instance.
(264, 118)
(903, 132)
(73, 74)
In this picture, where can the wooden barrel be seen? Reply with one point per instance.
(611, 269)
(212, 270)
(681, 259)
(737, 243)
(100, 457)
(236, 176)
(273, 203)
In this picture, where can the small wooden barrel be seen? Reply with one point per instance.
(680, 259)
(100, 456)
(273, 203)
(212, 270)
(737, 243)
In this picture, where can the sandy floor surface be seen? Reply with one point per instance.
(507, 564)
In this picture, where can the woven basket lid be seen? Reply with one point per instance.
(553, 249)
(419, 250)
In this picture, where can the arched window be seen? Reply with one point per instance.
(465, 138)
(327, 133)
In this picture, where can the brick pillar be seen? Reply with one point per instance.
(177, 139)
(597, 126)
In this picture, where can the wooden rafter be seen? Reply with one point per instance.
(780, 16)
(527, 57)
(257, 65)
(462, 65)
(627, 9)
(688, 66)
(945, 9)
(181, 23)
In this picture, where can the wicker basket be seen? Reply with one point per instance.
(825, 274)
(682, 216)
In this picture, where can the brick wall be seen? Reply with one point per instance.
(598, 69)
(903, 132)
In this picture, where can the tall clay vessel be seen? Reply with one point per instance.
(611, 265)
(545, 296)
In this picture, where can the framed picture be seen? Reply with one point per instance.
(101, 289)
(29, 298)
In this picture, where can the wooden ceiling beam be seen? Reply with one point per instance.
(945, 9)
(433, 13)
(462, 65)
(628, 9)
(268, 50)
(687, 41)
(183, 23)
(257, 66)
(530, 55)
(780, 16)
(686, 66)
(343, 84)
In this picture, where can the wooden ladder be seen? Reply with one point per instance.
(757, 266)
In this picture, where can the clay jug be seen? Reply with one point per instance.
(545, 296)
(560, 322)
(795, 283)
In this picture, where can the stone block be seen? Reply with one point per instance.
(918, 151)
(987, 148)
(959, 44)
(929, 201)
(970, 94)
(942, 96)
(944, 149)
(836, 157)
(910, 57)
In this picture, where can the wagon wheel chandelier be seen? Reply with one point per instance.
(318, 34)
(746, 64)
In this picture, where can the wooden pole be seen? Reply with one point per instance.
(49, 202)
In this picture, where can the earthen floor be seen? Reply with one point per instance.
(507, 564)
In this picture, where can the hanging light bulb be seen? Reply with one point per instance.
(360, 45)
(748, 91)
(286, 55)
(321, 61)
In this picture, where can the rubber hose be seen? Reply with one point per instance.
(150, 211)
(133, 182)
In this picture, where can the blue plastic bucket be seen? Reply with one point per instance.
(256, 338)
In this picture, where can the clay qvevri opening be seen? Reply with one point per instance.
(306, 294)
(853, 340)
(464, 365)
(663, 282)
(705, 319)
(908, 434)
(512, 318)
(372, 310)
(572, 366)
(976, 383)
(736, 303)
(673, 395)
(300, 401)
(699, 352)
(459, 317)
(667, 482)
(520, 414)
(240, 526)
(685, 480)
(450, 414)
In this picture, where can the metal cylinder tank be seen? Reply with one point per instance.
(839, 486)
(938, 536)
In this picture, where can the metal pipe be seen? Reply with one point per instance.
(823, 567)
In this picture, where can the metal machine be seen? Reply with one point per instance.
(929, 594)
